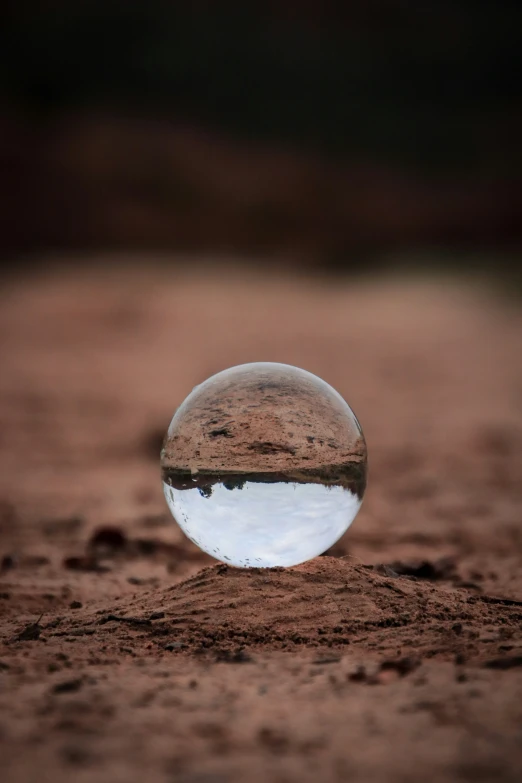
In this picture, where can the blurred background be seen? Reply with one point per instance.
(331, 134)
(226, 182)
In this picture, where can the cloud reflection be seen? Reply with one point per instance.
(264, 524)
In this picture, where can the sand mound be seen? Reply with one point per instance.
(328, 602)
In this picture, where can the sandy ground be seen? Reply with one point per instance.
(126, 654)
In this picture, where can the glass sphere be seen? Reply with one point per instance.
(264, 465)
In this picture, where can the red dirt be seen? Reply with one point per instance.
(126, 654)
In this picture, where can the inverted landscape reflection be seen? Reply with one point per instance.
(264, 524)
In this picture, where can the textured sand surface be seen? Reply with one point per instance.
(127, 654)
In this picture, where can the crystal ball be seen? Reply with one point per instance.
(264, 465)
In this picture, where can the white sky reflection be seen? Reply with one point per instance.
(264, 524)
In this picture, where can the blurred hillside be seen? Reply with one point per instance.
(315, 130)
